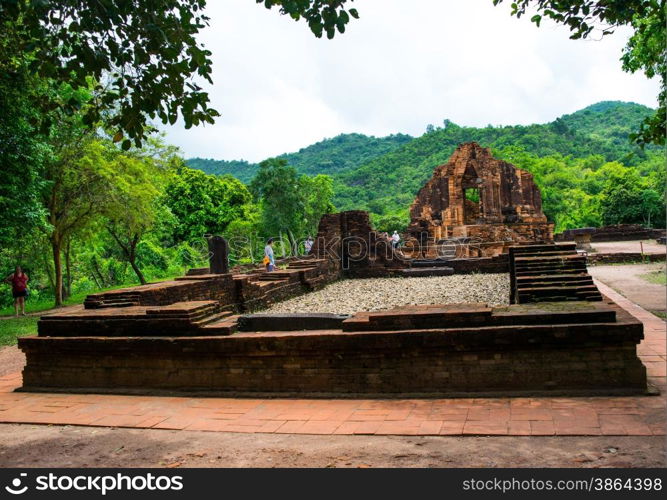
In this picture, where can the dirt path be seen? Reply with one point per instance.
(57, 446)
(42, 313)
(12, 360)
(625, 279)
(648, 246)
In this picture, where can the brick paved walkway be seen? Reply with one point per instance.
(620, 416)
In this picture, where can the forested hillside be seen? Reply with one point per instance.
(573, 158)
(329, 156)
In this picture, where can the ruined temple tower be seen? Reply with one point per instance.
(481, 202)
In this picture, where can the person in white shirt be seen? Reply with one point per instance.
(308, 244)
(395, 238)
(269, 259)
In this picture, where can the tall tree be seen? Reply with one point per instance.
(290, 204)
(276, 187)
(75, 192)
(132, 206)
(22, 153)
(318, 193)
(203, 204)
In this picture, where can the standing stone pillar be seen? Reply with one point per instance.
(218, 251)
(582, 237)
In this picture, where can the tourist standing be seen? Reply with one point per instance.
(395, 238)
(308, 245)
(19, 281)
(269, 259)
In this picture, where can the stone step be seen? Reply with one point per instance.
(540, 283)
(420, 317)
(550, 277)
(429, 263)
(427, 271)
(118, 303)
(226, 326)
(290, 322)
(549, 272)
(191, 310)
(556, 291)
(213, 318)
(574, 261)
(525, 249)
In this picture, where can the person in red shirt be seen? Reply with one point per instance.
(19, 281)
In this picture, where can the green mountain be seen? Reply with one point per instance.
(567, 156)
(240, 169)
(329, 156)
(393, 180)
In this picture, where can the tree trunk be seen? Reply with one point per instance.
(68, 269)
(132, 257)
(96, 268)
(137, 271)
(130, 252)
(57, 267)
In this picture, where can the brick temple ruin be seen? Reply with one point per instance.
(199, 334)
(479, 204)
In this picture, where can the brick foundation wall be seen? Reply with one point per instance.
(617, 258)
(620, 232)
(593, 358)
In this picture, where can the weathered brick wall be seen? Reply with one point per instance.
(572, 359)
(485, 265)
(219, 287)
(509, 211)
(353, 248)
(618, 232)
(618, 258)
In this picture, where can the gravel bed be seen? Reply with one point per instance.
(377, 294)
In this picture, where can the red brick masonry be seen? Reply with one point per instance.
(616, 416)
(549, 348)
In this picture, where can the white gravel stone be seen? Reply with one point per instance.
(377, 294)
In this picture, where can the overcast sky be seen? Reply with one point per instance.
(402, 65)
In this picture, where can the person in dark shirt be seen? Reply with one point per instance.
(19, 281)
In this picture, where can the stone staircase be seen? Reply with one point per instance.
(550, 273)
(118, 299)
(204, 317)
(427, 267)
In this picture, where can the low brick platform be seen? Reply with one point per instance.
(582, 348)
(609, 416)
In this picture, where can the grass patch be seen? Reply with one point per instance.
(45, 304)
(655, 277)
(660, 314)
(11, 329)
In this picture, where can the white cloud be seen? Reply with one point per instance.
(401, 66)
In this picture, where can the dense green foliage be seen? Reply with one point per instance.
(329, 156)
(203, 204)
(143, 56)
(326, 16)
(291, 203)
(387, 185)
(240, 169)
